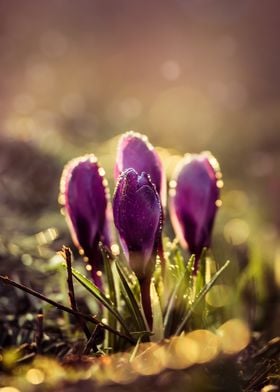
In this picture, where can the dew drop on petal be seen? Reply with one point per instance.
(220, 183)
(218, 203)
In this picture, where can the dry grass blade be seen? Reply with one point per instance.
(64, 308)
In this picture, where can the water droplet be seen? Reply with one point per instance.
(92, 158)
(220, 183)
(115, 249)
(61, 199)
(101, 171)
(62, 211)
(218, 203)
(219, 175)
(26, 259)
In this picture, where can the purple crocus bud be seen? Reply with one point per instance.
(194, 199)
(84, 194)
(138, 218)
(136, 152)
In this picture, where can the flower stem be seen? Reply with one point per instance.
(146, 300)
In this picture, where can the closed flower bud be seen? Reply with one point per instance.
(135, 151)
(84, 194)
(194, 199)
(138, 218)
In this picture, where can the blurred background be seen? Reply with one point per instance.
(192, 75)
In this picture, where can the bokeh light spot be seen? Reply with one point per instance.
(218, 296)
(150, 361)
(170, 70)
(236, 231)
(234, 336)
(207, 343)
(35, 376)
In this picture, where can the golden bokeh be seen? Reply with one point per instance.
(35, 376)
(150, 360)
(181, 352)
(236, 231)
(207, 344)
(234, 336)
(219, 295)
(120, 369)
(9, 389)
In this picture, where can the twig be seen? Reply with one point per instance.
(39, 329)
(258, 377)
(90, 343)
(26, 358)
(273, 343)
(66, 253)
(64, 308)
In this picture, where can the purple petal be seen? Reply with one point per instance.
(135, 151)
(137, 215)
(193, 200)
(86, 205)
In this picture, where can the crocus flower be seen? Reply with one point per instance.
(194, 198)
(84, 194)
(136, 152)
(137, 215)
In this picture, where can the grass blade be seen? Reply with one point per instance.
(200, 296)
(171, 303)
(130, 300)
(108, 263)
(158, 329)
(91, 288)
(62, 307)
(135, 350)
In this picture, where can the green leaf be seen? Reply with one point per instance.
(108, 263)
(158, 329)
(94, 290)
(190, 287)
(183, 286)
(179, 261)
(190, 265)
(130, 299)
(200, 296)
(200, 277)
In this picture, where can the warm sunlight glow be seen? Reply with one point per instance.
(234, 336)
